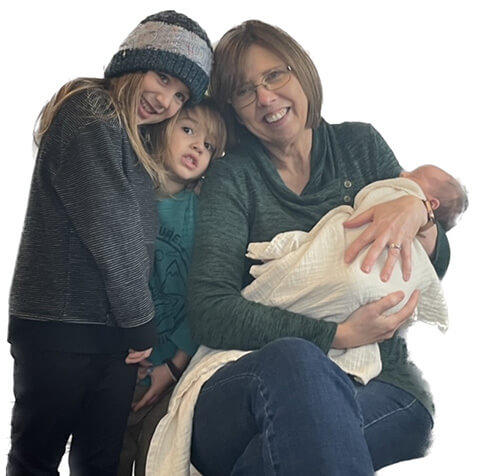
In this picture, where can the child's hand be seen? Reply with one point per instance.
(135, 356)
(161, 380)
(145, 369)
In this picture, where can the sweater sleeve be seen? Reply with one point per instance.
(218, 315)
(441, 258)
(100, 202)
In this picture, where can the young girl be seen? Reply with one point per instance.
(192, 138)
(80, 308)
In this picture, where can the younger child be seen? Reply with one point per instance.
(192, 139)
(80, 306)
(304, 273)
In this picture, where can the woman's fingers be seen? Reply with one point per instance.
(364, 239)
(374, 322)
(393, 225)
(397, 319)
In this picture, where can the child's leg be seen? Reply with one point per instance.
(156, 413)
(131, 439)
(98, 435)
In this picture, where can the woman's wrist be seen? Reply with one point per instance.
(340, 339)
(431, 219)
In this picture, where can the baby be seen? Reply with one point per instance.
(305, 272)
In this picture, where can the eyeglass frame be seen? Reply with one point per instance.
(288, 70)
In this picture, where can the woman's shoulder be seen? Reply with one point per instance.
(234, 162)
(352, 129)
(355, 136)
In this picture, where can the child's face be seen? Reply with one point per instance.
(190, 148)
(161, 96)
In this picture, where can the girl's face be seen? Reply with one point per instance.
(190, 149)
(161, 96)
(277, 117)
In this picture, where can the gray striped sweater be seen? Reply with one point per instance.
(82, 272)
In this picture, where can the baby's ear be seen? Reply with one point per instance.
(434, 203)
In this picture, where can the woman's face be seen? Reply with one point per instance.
(277, 117)
(161, 96)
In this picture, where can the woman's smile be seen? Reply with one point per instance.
(276, 116)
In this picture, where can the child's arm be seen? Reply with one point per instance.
(162, 378)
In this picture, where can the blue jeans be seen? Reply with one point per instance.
(287, 409)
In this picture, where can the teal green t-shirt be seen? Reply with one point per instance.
(174, 245)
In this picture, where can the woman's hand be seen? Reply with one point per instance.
(394, 225)
(369, 324)
(161, 381)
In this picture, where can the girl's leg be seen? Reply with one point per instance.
(285, 409)
(397, 426)
(48, 390)
(98, 434)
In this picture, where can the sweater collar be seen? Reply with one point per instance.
(322, 165)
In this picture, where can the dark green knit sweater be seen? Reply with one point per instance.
(244, 200)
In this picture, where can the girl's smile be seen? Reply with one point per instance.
(161, 97)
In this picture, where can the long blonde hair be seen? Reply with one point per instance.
(123, 94)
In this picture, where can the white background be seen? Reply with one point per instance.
(424, 73)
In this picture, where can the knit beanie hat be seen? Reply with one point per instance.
(167, 42)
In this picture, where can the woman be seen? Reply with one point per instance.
(285, 408)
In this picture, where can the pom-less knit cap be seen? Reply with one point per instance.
(167, 42)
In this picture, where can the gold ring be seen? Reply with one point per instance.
(394, 246)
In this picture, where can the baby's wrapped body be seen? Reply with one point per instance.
(305, 272)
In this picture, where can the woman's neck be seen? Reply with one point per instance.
(293, 161)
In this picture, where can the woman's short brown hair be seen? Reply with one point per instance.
(229, 56)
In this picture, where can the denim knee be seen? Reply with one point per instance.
(286, 407)
(292, 360)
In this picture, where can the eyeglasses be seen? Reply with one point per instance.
(247, 93)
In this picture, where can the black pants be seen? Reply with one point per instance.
(58, 394)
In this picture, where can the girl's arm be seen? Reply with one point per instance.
(102, 203)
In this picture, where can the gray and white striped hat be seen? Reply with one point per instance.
(167, 42)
